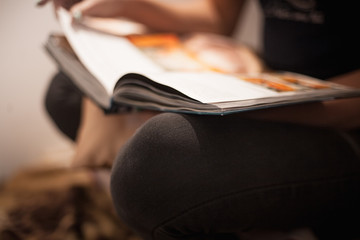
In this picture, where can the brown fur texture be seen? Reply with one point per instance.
(57, 204)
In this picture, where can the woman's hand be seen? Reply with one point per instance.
(157, 15)
(94, 8)
(67, 4)
(102, 8)
(98, 8)
(223, 54)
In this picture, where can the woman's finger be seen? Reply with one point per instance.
(98, 8)
(67, 4)
(42, 2)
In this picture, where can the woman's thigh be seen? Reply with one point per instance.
(187, 176)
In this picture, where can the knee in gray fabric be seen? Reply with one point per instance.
(145, 171)
(63, 104)
(173, 163)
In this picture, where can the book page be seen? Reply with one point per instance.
(208, 71)
(210, 87)
(106, 56)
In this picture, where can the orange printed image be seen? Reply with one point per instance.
(168, 51)
(304, 83)
(160, 40)
(197, 52)
(273, 85)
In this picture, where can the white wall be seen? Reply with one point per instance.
(26, 134)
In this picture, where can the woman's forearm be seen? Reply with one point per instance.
(216, 16)
(174, 16)
(341, 114)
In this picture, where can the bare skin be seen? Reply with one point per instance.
(100, 136)
(181, 16)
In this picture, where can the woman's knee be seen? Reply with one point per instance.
(148, 168)
(63, 104)
(172, 164)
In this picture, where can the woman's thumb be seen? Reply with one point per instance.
(96, 8)
(84, 8)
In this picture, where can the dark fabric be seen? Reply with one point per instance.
(63, 104)
(192, 177)
(311, 37)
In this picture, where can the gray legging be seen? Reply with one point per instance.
(202, 177)
(63, 104)
(194, 177)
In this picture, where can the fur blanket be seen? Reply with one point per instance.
(58, 204)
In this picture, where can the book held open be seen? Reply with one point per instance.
(168, 72)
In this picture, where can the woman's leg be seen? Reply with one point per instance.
(101, 135)
(63, 104)
(195, 177)
(98, 136)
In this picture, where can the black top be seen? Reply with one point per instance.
(317, 38)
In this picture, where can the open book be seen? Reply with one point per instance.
(159, 72)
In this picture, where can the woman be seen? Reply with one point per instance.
(201, 177)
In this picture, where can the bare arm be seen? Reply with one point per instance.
(228, 12)
(341, 114)
(217, 16)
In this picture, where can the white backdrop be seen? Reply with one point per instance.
(26, 134)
